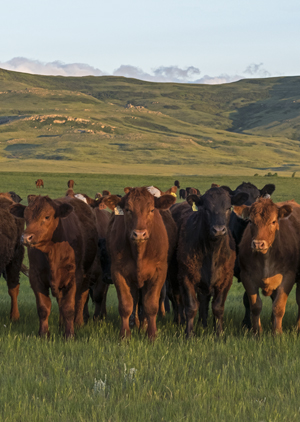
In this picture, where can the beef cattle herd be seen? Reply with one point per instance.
(154, 251)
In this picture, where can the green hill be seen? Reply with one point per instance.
(119, 125)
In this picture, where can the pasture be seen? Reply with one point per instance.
(97, 377)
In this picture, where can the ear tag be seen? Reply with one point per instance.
(118, 210)
(174, 194)
(194, 207)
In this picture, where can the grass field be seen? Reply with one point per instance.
(121, 125)
(97, 377)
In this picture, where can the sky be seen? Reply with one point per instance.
(200, 41)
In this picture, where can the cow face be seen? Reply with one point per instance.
(264, 218)
(139, 208)
(216, 203)
(41, 217)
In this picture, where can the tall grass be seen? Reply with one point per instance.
(97, 377)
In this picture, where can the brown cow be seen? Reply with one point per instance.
(39, 183)
(269, 256)
(62, 239)
(11, 253)
(71, 184)
(206, 254)
(138, 245)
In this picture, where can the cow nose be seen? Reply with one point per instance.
(219, 230)
(259, 244)
(140, 235)
(27, 239)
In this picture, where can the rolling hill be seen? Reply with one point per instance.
(120, 125)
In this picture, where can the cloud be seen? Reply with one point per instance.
(160, 74)
(216, 80)
(21, 64)
(257, 70)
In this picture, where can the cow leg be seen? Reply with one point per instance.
(298, 303)
(256, 307)
(99, 295)
(43, 303)
(204, 300)
(80, 301)
(151, 298)
(125, 303)
(190, 304)
(247, 318)
(218, 304)
(67, 307)
(12, 279)
(163, 295)
(279, 303)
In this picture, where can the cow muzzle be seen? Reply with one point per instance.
(139, 235)
(218, 231)
(27, 239)
(259, 246)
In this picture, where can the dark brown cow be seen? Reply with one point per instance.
(39, 183)
(11, 253)
(269, 256)
(71, 184)
(62, 239)
(206, 254)
(138, 245)
(192, 191)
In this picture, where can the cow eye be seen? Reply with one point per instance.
(152, 210)
(274, 222)
(47, 217)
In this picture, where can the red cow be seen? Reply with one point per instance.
(11, 252)
(39, 183)
(62, 239)
(269, 256)
(71, 184)
(138, 245)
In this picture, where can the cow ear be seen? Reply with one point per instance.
(285, 211)
(194, 198)
(112, 201)
(106, 192)
(101, 206)
(63, 210)
(98, 203)
(242, 211)
(239, 198)
(171, 191)
(17, 210)
(164, 202)
(31, 198)
(128, 189)
(231, 192)
(267, 190)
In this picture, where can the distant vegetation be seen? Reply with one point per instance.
(113, 121)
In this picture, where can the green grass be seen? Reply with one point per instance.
(234, 378)
(55, 122)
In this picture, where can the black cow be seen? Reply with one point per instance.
(206, 254)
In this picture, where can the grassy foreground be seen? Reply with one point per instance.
(96, 377)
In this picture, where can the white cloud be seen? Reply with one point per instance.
(255, 69)
(160, 74)
(21, 64)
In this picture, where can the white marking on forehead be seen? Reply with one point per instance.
(81, 197)
(267, 196)
(154, 191)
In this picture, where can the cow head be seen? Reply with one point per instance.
(216, 203)
(253, 192)
(139, 208)
(264, 218)
(42, 217)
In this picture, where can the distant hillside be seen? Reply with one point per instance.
(111, 122)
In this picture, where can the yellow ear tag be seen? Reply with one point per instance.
(174, 194)
(194, 207)
(118, 211)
